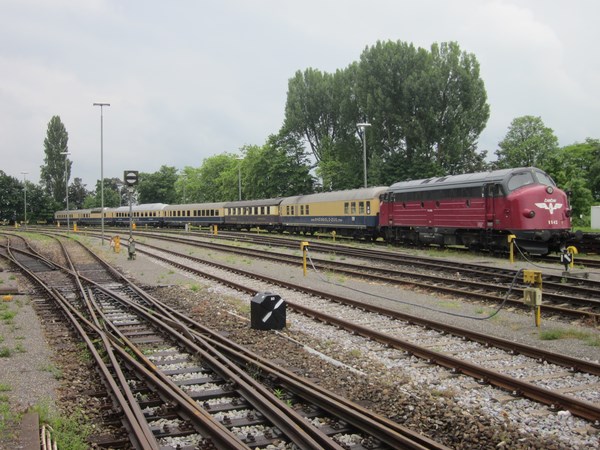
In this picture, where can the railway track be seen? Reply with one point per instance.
(564, 296)
(175, 388)
(580, 400)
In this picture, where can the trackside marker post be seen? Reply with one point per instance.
(532, 295)
(304, 248)
(511, 245)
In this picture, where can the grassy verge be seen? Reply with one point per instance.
(553, 334)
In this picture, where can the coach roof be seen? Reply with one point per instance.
(336, 196)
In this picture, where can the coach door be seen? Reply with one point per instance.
(490, 213)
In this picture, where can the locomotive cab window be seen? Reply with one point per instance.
(519, 180)
(544, 179)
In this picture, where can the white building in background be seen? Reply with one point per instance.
(596, 217)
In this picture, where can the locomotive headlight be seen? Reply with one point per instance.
(549, 189)
(529, 213)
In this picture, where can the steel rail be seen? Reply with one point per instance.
(303, 434)
(581, 408)
(391, 433)
(425, 281)
(130, 421)
(219, 434)
(294, 426)
(563, 360)
(386, 430)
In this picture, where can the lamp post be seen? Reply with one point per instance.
(25, 197)
(240, 178)
(67, 186)
(363, 126)
(102, 105)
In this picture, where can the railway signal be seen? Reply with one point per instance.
(130, 177)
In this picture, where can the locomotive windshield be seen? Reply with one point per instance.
(521, 179)
(544, 178)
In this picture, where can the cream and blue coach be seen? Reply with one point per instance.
(352, 213)
(198, 214)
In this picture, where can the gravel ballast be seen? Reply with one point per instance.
(427, 399)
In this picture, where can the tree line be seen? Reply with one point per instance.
(426, 109)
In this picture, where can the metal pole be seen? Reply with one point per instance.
(67, 187)
(130, 190)
(25, 197)
(102, 105)
(240, 181)
(364, 126)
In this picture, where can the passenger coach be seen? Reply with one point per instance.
(352, 212)
(198, 214)
(247, 214)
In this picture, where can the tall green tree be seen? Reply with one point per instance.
(40, 205)
(427, 110)
(217, 180)
(158, 187)
(11, 198)
(280, 168)
(576, 168)
(113, 194)
(528, 142)
(53, 171)
(77, 194)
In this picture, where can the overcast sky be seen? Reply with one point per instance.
(187, 80)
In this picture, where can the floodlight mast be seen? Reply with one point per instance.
(363, 126)
(102, 105)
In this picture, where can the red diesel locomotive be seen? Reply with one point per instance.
(479, 210)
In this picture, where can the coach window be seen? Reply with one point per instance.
(346, 208)
(353, 208)
(437, 203)
(422, 204)
(368, 207)
(306, 210)
(361, 207)
(468, 203)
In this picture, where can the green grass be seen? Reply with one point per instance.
(5, 352)
(5, 387)
(6, 415)
(55, 371)
(7, 315)
(587, 337)
(70, 432)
